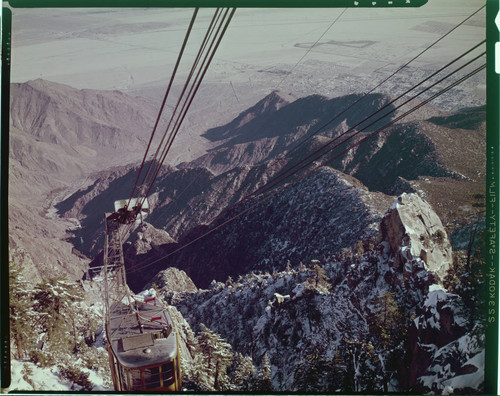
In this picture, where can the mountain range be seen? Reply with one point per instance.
(323, 233)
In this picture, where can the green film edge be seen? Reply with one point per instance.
(218, 3)
(5, 374)
(492, 196)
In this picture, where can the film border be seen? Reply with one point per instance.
(493, 128)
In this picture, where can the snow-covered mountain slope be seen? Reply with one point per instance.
(352, 322)
(317, 216)
(28, 377)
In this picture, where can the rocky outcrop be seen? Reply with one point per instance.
(446, 356)
(413, 230)
(148, 237)
(173, 280)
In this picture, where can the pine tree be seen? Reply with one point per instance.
(338, 373)
(55, 301)
(243, 373)
(265, 383)
(313, 374)
(390, 323)
(21, 315)
(363, 366)
(217, 356)
(319, 279)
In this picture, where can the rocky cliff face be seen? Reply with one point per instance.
(146, 237)
(173, 280)
(413, 229)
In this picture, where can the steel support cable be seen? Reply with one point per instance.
(154, 167)
(147, 179)
(367, 118)
(290, 171)
(310, 49)
(277, 182)
(392, 122)
(384, 80)
(195, 63)
(165, 147)
(193, 68)
(281, 177)
(186, 37)
(189, 100)
(450, 31)
(144, 265)
(378, 85)
(366, 126)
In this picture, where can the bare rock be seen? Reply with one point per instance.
(413, 230)
(148, 237)
(173, 280)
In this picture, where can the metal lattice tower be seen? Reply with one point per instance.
(115, 282)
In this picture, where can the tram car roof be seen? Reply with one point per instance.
(138, 342)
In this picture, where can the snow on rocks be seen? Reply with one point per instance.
(446, 355)
(173, 280)
(437, 324)
(27, 376)
(457, 367)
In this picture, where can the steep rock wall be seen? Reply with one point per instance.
(413, 230)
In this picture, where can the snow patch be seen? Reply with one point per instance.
(472, 380)
(436, 287)
(46, 379)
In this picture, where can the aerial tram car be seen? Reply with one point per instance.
(143, 349)
(143, 346)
